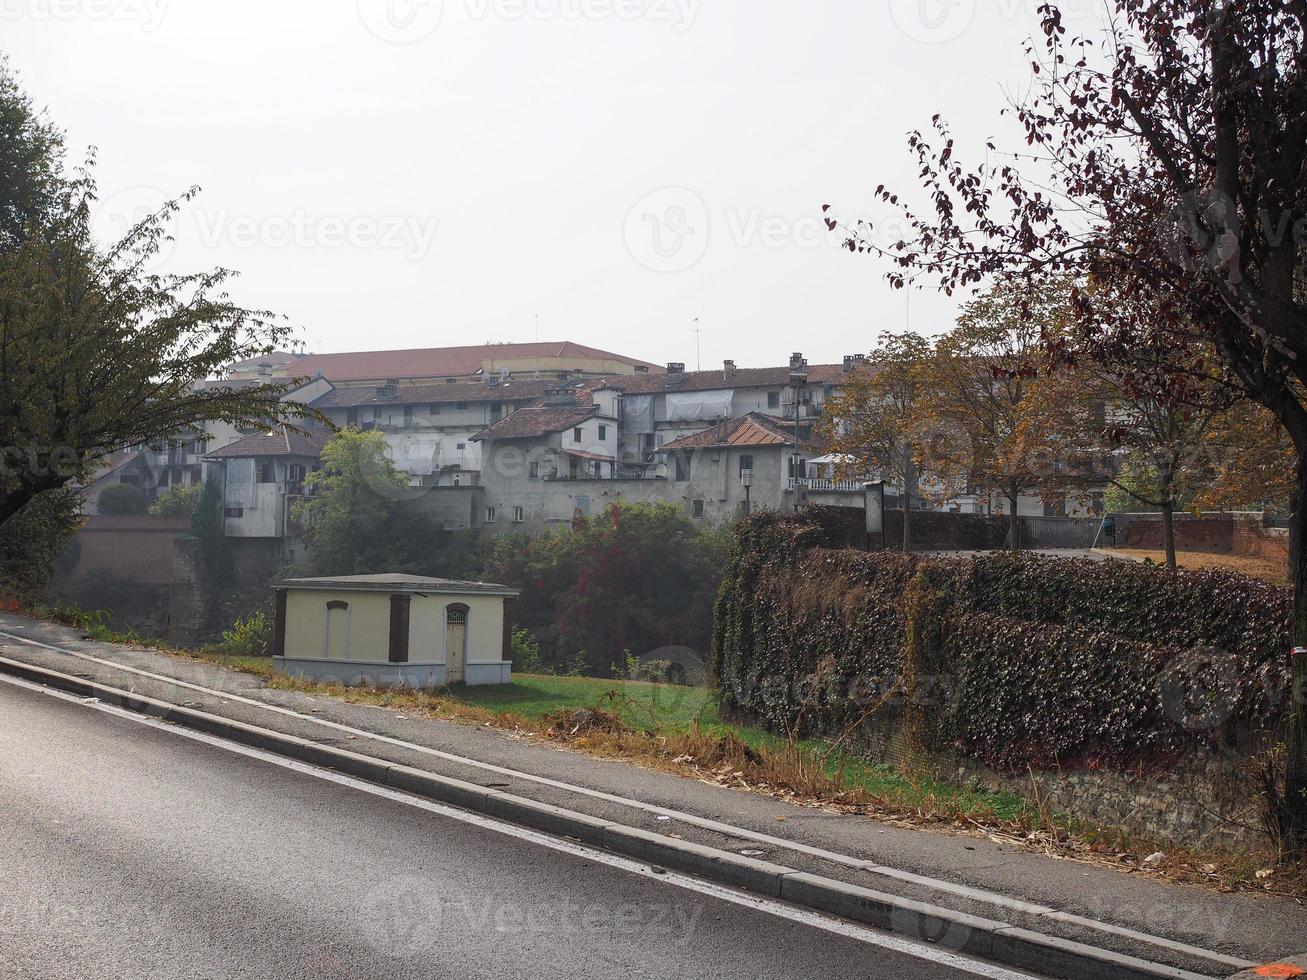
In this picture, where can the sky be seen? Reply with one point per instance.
(418, 173)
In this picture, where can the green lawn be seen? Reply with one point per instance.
(674, 708)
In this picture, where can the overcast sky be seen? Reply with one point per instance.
(391, 173)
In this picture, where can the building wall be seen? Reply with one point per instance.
(129, 549)
(369, 626)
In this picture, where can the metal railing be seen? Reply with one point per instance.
(828, 486)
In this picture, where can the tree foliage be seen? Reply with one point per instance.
(97, 352)
(353, 518)
(34, 539)
(873, 420)
(636, 578)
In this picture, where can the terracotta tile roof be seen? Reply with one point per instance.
(531, 423)
(279, 442)
(470, 391)
(773, 377)
(754, 429)
(437, 362)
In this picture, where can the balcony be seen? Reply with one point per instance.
(826, 486)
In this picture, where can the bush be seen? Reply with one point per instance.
(180, 501)
(526, 652)
(121, 500)
(249, 637)
(33, 539)
(1014, 660)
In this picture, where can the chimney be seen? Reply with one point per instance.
(560, 397)
(728, 369)
(389, 391)
(850, 361)
(675, 372)
(798, 368)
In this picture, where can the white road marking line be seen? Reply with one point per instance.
(768, 906)
(846, 860)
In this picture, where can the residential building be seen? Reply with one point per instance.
(262, 477)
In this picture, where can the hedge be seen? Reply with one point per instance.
(1012, 660)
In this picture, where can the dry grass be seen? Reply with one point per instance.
(1263, 569)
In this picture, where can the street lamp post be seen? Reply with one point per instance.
(746, 481)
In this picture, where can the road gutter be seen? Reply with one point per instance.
(983, 938)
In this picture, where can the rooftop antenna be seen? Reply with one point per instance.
(698, 356)
(537, 346)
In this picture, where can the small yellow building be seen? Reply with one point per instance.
(394, 630)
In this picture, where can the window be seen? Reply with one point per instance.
(533, 470)
(435, 409)
(408, 414)
(576, 435)
(517, 515)
(267, 473)
(697, 508)
(461, 406)
(352, 417)
(296, 473)
(376, 412)
(233, 512)
(603, 433)
(490, 515)
(773, 399)
(496, 411)
(746, 465)
(682, 468)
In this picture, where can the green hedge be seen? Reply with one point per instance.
(1014, 660)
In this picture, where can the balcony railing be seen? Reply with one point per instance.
(827, 486)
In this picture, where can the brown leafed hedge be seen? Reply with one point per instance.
(1014, 660)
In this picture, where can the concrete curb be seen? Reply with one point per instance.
(984, 938)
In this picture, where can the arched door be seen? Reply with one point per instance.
(455, 642)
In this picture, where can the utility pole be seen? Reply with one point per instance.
(698, 353)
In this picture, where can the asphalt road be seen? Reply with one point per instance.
(134, 852)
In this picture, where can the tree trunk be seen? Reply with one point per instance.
(1168, 533)
(909, 485)
(1295, 828)
(1014, 531)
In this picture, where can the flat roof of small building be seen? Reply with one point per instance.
(396, 582)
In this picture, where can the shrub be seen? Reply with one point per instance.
(1014, 660)
(180, 501)
(121, 500)
(249, 637)
(526, 652)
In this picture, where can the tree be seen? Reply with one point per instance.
(982, 432)
(1169, 161)
(872, 421)
(96, 353)
(121, 500)
(353, 520)
(1142, 430)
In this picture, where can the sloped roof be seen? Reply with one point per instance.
(469, 391)
(769, 377)
(435, 362)
(754, 429)
(279, 442)
(532, 423)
